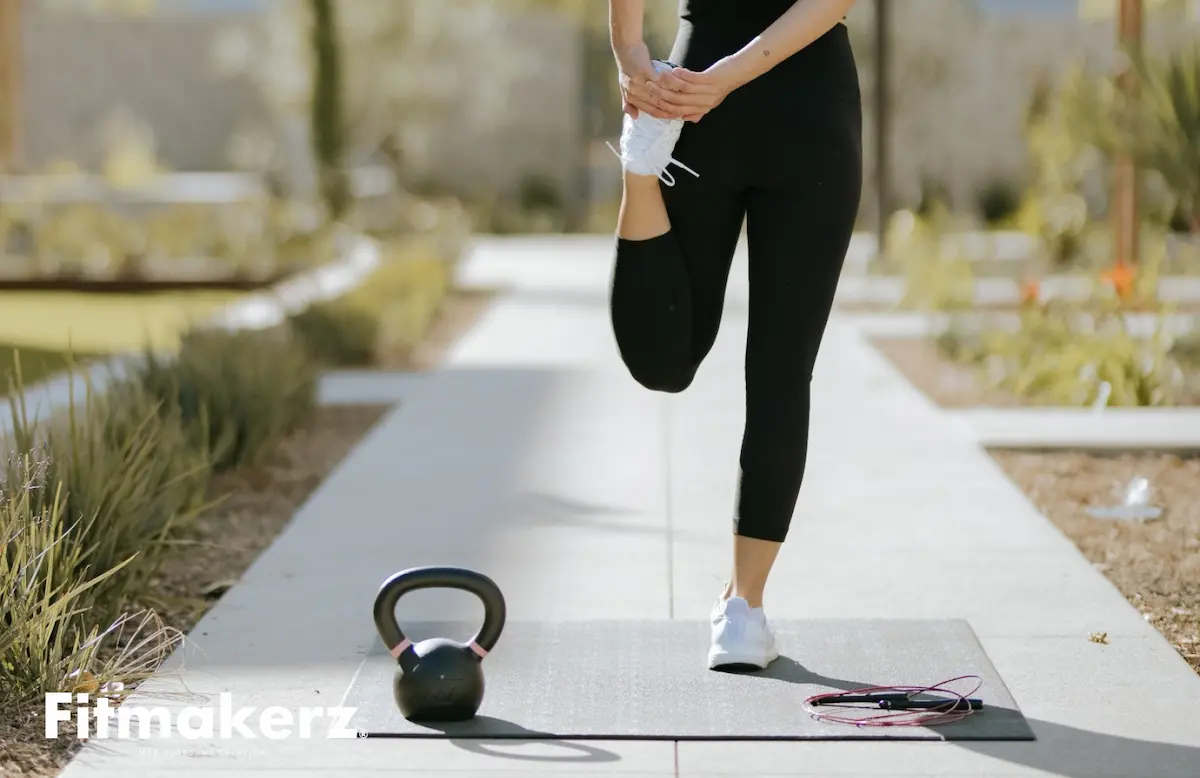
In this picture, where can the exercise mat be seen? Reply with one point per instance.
(647, 680)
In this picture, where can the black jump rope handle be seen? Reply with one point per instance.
(901, 701)
(949, 706)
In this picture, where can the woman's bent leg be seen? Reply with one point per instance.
(675, 246)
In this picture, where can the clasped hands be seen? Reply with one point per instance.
(673, 94)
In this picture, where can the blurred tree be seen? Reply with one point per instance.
(10, 83)
(1126, 221)
(327, 119)
(403, 63)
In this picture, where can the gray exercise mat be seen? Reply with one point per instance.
(647, 680)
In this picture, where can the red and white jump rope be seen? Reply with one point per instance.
(898, 706)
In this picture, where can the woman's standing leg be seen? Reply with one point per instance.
(800, 219)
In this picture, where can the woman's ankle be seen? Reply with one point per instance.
(643, 213)
(752, 598)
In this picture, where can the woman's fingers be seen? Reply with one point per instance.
(669, 81)
(688, 99)
(645, 97)
(652, 106)
(691, 76)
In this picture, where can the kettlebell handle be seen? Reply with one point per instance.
(406, 581)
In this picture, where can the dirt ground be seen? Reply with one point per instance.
(1155, 564)
(258, 505)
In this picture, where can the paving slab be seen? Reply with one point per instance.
(922, 324)
(355, 387)
(890, 290)
(534, 458)
(1113, 429)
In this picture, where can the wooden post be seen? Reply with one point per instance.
(1125, 212)
(883, 200)
(10, 84)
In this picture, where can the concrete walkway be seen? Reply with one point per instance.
(533, 457)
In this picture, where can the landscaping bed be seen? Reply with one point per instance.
(1155, 564)
(256, 504)
(404, 317)
(954, 384)
(232, 417)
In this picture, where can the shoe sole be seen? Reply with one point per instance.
(737, 663)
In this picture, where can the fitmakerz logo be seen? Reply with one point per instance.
(96, 719)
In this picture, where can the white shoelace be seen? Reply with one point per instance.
(642, 143)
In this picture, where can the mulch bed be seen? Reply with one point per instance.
(258, 504)
(1155, 564)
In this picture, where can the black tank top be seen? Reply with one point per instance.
(760, 13)
(712, 29)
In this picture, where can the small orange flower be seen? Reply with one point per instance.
(1121, 278)
(1031, 291)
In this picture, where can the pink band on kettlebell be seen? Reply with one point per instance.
(478, 649)
(401, 647)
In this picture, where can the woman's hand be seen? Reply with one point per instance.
(643, 88)
(702, 91)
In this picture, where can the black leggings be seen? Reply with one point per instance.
(784, 155)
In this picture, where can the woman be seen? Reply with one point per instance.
(762, 113)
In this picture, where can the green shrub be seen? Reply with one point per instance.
(338, 333)
(1187, 350)
(998, 202)
(937, 275)
(28, 366)
(1050, 358)
(51, 638)
(238, 393)
(126, 474)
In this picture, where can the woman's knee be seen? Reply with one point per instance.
(661, 375)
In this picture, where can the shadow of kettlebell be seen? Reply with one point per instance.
(439, 680)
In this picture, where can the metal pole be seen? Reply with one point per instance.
(882, 124)
(1126, 184)
(10, 84)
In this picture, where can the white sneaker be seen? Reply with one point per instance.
(647, 143)
(741, 637)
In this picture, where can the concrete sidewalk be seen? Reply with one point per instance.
(533, 457)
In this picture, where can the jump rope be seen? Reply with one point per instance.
(898, 706)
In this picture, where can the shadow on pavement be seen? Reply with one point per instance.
(1059, 749)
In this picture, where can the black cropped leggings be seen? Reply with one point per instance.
(783, 156)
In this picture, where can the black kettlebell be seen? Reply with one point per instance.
(439, 679)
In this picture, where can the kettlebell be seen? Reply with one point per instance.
(439, 680)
